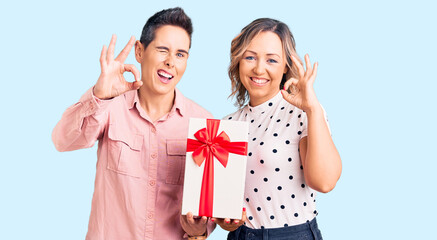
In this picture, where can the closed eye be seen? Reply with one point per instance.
(162, 49)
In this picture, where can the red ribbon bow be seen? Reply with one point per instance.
(207, 146)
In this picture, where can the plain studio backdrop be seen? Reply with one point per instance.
(376, 80)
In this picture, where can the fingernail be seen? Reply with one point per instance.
(236, 222)
(227, 221)
(244, 209)
(212, 220)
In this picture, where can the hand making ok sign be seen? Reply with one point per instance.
(111, 82)
(302, 94)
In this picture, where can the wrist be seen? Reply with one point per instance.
(97, 95)
(315, 109)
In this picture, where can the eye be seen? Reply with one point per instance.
(272, 61)
(180, 55)
(162, 50)
(249, 58)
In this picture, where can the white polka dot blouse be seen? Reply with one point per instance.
(276, 194)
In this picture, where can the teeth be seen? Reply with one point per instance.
(165, 74)
(259, 81)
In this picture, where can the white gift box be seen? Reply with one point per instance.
(227, 191)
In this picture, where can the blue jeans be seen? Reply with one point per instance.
(304, 231)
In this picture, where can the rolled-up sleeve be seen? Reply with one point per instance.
(81, 124)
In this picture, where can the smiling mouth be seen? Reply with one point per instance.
(259, 81)
(164, 76)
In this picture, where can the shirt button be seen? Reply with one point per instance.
(150, 215)
(153, 130)
(154, 155)
(152, 182)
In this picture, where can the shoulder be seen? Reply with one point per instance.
(193, 109)
(235, 115)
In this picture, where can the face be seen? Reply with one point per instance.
(262, 66)
(164, 60)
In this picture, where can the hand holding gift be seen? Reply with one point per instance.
(230, 224)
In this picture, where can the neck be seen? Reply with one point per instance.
(255, 101)
(155, 105)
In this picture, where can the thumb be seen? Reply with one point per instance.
(289, 82)
(288, 97)
(131, 68)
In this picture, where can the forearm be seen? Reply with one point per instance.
(81, 124)
(321, 161)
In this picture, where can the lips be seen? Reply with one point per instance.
(164, 76)
(259, 81)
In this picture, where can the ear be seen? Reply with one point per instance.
(285, 69)
(139, 49)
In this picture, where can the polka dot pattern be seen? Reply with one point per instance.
(276, 194)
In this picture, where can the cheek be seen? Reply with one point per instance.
(181, 66)
(277, 73)
(243, 69)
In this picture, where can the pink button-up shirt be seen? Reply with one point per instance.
(140, 166)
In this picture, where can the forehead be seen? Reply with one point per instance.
(172, 37)
(266, 43)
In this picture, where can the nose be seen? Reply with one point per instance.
(259, 68)
(169, 61)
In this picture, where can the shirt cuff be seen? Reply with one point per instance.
(93, 105)
(210, 226)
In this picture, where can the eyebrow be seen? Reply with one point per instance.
(268, 54)
(167, 49)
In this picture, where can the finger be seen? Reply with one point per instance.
(227, 220)
(126, 50)
(309, 70)
(244, 218)
(137, 83)
(299, 66)
(131, 68)
(289, 82)
(219, 221)
(183, 219)
(288, 97)
(134, 86)
(314, 75)
(111, 47)
(103, 58)
(203, 220)
(190, 218)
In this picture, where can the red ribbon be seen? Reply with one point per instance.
(207, 146)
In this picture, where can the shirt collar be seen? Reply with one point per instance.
(179, 104)
(266, 105)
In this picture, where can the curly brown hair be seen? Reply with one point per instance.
(240, 44)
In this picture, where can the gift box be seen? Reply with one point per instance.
(215, 168)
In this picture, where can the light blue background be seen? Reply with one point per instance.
(376, 81)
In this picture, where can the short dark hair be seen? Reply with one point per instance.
(172, 16)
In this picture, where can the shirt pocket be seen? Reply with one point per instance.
(124, 151)
(176, 150)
